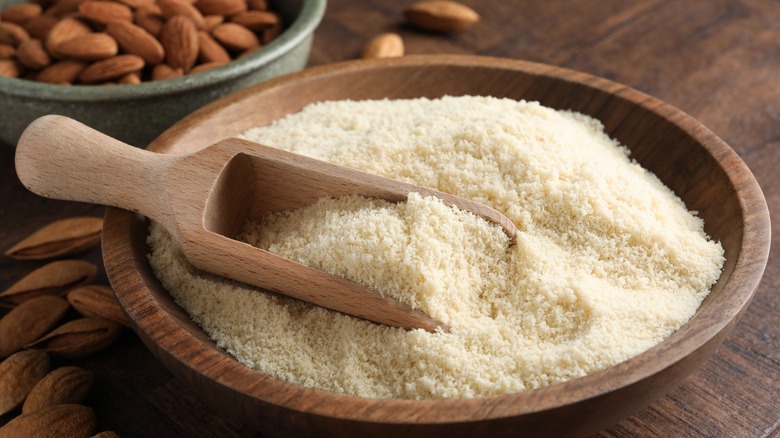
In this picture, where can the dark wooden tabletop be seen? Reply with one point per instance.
(718, 60)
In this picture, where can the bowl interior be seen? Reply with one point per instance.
(688, 158)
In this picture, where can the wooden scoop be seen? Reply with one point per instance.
(206, 198)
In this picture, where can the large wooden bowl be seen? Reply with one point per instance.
(691, 160)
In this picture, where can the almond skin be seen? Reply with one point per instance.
(210, 51)
(78, 338)
(172, 8)
(7, 51)
(227, 8)
(29, 321)
(441, 16)
(61, 386)
(386, 45)
(21, 13)
(235, 37)
(130, 79)
(61, 72)
(12, 34)
(105, 12)
(55, 278)
(40, 26)
(10, 68)
(149, 21)
(98, 301)
(18, 374)
(31, 54)
(256, 21)
(165, 71)
(61, 237)
(179, 38)
(111, 68)
(212, 21)
(137, 41)
(89, 47)
(53, 421)
(65, 30)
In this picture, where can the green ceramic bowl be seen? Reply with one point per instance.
(136, 114)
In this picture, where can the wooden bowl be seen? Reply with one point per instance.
(691, 160)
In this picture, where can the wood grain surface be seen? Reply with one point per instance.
(716, 60)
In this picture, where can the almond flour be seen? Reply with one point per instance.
(608, 261)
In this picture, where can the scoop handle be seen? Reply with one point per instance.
(60, 158)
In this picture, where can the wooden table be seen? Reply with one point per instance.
(718, 60)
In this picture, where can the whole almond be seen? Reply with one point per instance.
(12, 34)
(40, 26)
(61, 237)
(135, 4)
(172, 8)
(111, 68)
(165, 71)
(210, 50)
(62, 386)
(385, 45)
(29, 321)
(441, 15)
(235, 37)
(78, 338)
(227, 8)
(256, 21)
(149, 21)
(53, 421)
(206, 66)
(18, 374)
(7, 51)
(10, 68)
(179, 37)
(212, 21)
(89, 47)
(137, 41)
(272, 32)
(98, 301)
(65, 71)
(105, 12)
(63, 8)
(55, 278)
(21, 13)
(130, 79)
(65, 30)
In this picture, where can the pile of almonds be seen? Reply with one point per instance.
(129, 41)
(54, 312)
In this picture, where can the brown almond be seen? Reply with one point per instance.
(55, 278)
(172, 8)
(53, 421)
(179, 38)
(21, 13)
(10, 68)
(78, 338)
(257, 5)
(61, 237)
(256, 21)
(227, 8)
(64, 385)
(165, 71)
(136, 4)
(106, 434)
(7, 51)
(105, 12)
(111, 68)
(272, 32)
(441, 15)
(65, 71)
(204, 67)
(89, 47)
(149, 21)
(210, 51)
(18, 374)
(137, 41)
(29, 321)
(385, 45)
(65, 30)
(212, 21)
(98, 301)
(12, 34)
(130, 79)
(40, 26)
(61, 8)
(235, 37)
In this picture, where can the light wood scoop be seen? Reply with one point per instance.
(206, 198)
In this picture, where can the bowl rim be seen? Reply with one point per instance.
(303, 26)
(740, 285)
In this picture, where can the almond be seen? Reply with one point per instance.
(53, 421)
(89, 47)
(441, 15)
(386, 45)
(257, 5)
(62, 386)
(149, 21)
(98, 301)
(61, 237)
(111, 68)
(61, 72)
(130, 79)
(227, 8)
(272, 32)
(136, 4)
(256, 21)
(10, 68)
(212, 21)
(62, 8)
(40, 26)
(18, 374)
(207, 66)
(106, 434)
(172, 8)
(235, 37)
(210, 50)
(29, 321)
(165, 71)
(137, 41)
(7, 51)
(179, 37)
(105, 12)
(78, 338)
(55, 278)
(65, 30)
(12, 34)
(21, 13)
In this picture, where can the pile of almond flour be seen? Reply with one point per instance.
(608, 261)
